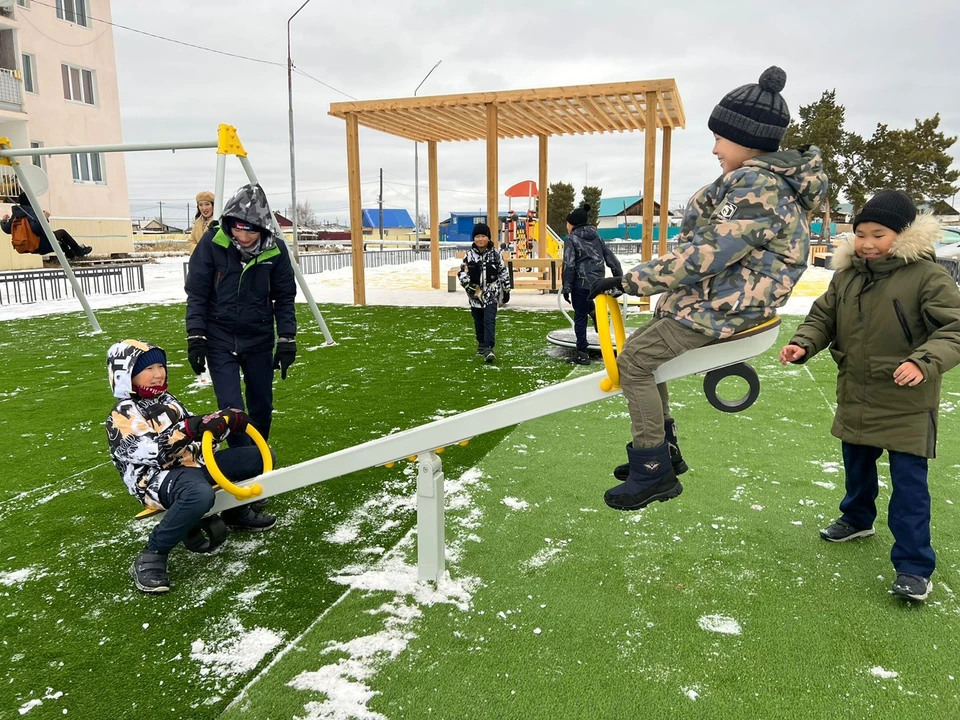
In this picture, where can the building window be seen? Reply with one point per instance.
(73, 11)
(88, 168)
(78, 84)
(24, 3)
(38, 160)
(30, 73)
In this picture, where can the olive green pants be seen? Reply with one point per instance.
(648, 348)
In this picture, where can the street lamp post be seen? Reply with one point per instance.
(416, 172)
(293, 161)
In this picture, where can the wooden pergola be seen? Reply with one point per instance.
(644, 105)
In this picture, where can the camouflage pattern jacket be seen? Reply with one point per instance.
(487, 270)
(742, 247)
(147, 437)
(584, 255)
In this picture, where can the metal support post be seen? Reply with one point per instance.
(431, 559)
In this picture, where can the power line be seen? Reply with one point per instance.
(196, 47)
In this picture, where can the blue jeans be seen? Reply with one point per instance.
(187, 494)
(908, 514)
(485, 325)
(582, 309)
(257, 368)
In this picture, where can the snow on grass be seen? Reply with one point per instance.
(722, 624)
(19, 577)
(545, 556)
(237, 653)
(879, 672)
(515, 504)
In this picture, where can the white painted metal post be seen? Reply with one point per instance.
(218, 186)
(431, 559)
(48, 231)
(252, 177)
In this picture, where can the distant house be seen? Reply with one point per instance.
(155, 227)
(625, 211)
(397, 224)
(283, 222)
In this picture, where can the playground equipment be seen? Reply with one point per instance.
(424, 444)
(227, 143)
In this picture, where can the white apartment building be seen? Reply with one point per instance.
(58, 86)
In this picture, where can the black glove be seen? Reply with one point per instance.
(197, 353)
(612, 286)
(286, 354)
(566, 296)
(506, 297)
(216, 423)
(237, 420)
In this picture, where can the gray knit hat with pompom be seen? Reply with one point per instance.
(755, 115)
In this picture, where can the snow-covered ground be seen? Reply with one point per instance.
(405, 285)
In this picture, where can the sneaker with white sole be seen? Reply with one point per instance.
(912, 587)
(842, 531)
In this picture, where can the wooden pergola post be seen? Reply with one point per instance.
(649, 168)
(665, 191)
(542, 199)
(434, 216)
(356, 210)
(493, 215)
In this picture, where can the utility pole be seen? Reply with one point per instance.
(293, 160)
(380, 201)
(187, 223)
(161, 216)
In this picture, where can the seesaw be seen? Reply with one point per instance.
(425, 443)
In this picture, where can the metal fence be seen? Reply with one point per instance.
(29, 286)
(314, 263)
(953, 267)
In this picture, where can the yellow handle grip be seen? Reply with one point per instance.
(241, 493)
(607, 307)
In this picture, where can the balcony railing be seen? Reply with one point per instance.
(11, 89)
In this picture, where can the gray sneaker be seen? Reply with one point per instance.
(912, 587)
(842, 531)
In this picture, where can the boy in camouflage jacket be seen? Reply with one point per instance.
(742, 247)
(155, 446)
(486, 278)
(891, 319)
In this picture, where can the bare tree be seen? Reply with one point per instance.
(305, 216)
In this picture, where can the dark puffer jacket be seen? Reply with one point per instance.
(584, 255)
(234, 302)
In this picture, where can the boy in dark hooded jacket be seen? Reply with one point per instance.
(584, 257)
(891, 319)
(155, 446)
(743, 245)
(22, 210)
(240, 284)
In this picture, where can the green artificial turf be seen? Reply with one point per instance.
(558, 607)
(75, 637)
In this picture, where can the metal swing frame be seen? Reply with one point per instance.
(227, 143)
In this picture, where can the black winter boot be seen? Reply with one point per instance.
(651, 479)
(149, 572)
(676, 459)
(246, 517)
(580, 357)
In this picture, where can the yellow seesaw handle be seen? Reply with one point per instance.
(241, 493)
(607, 307)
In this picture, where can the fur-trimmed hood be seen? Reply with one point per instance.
(916, 242)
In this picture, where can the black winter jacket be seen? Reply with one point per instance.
(234, 304)
(584, 255)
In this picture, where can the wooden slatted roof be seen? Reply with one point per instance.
(576, 110)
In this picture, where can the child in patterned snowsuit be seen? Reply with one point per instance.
(155, 445)
(486, 278)
(742, 247)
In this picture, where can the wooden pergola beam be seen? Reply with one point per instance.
(665, 192)
(542, 197)
(649, 168)
(434, 215)
(356, 209)
(493, 138)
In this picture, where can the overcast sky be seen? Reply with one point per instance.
(890, 61)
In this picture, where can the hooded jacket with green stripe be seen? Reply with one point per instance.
(233, 302)
(875, 315)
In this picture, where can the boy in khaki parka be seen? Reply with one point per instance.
(891, 319)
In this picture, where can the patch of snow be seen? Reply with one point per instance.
(515, 504)
(237, 654)
(722, 624)
(883, 674)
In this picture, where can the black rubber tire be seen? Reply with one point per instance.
(741, 370)
(207, 535)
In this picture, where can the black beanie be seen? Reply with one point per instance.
(151, 357)
(891, 208)
(481, 229)
(579, 216)
(756, 115)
